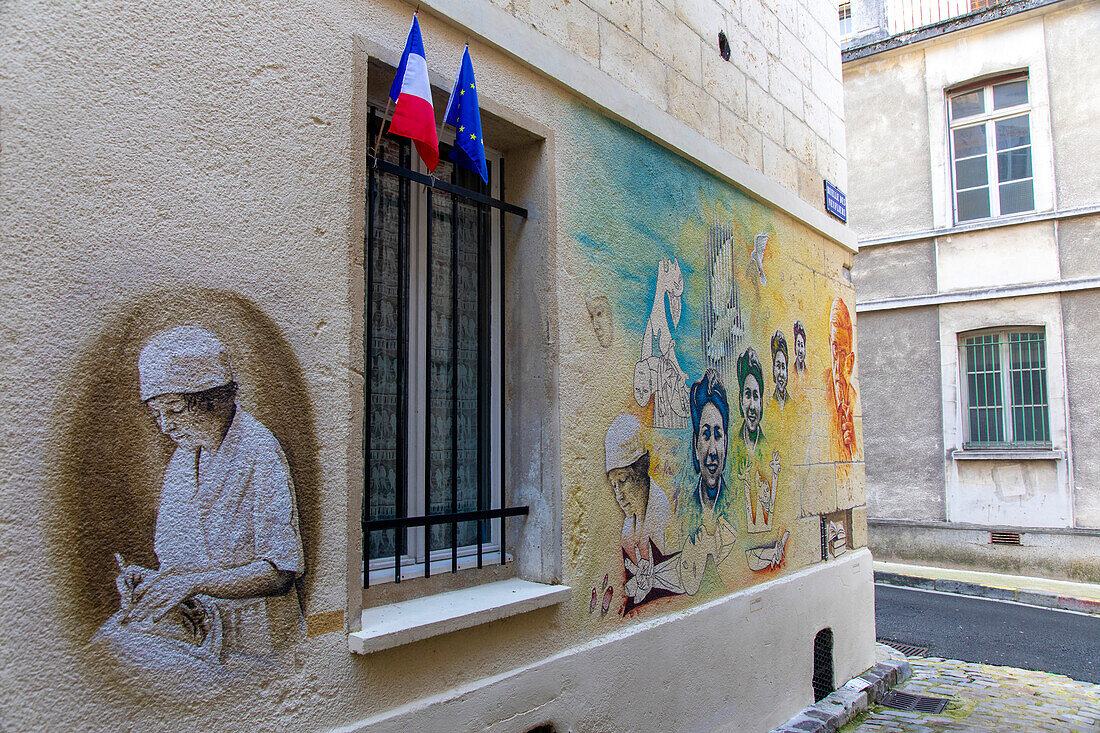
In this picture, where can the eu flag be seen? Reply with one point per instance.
(464, 116)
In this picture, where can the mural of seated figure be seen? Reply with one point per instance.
(227, 539)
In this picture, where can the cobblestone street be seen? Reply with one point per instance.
(988, 698)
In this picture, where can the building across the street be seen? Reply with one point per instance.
(975, 194)
(305, 430)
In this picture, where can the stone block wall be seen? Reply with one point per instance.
(777, 105)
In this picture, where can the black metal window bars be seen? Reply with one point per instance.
(396, 163)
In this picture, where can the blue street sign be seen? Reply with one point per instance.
(836, 203)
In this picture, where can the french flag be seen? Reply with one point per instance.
(414, 116)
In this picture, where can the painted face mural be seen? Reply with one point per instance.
(710, 448)
(645, 380)
(599, 310)
(799, 347)
(779, 367)
(843, 360)
(710, 421)
(750, 378)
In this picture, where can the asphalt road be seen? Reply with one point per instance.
(993, 632)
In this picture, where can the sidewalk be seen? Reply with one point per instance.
(987, 698)
(1062, 594)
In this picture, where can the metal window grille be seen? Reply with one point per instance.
(1005, 389)
(1027, 377)
(906, 15)
(429, 393)
(1004, 538)
(823, 664)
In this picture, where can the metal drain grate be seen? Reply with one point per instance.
(907, 649)
(1004, 538)
(915, 703)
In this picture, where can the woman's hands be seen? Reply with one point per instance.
(156, 593)
(159, 594)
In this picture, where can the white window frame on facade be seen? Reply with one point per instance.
(978, 58)
(996, 159)
(844, 16)
(381, 569)
(1001, 383)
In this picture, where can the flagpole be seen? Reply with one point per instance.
(382, 129)
(443, 122)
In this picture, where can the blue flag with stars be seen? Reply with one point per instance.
(464, 116)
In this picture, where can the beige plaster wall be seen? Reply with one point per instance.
(1074, 102)
(205, 164)
(887, 124)
(905, 469)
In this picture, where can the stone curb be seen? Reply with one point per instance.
(1029, 597)
(854, 697)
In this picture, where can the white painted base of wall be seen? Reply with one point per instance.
(741, 663)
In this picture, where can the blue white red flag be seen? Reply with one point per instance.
(414, 116)
(464, 116)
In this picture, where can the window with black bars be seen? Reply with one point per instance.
(433, 345)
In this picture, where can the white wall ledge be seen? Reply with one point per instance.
(1008, 454)
(395, 624)
(995, 223)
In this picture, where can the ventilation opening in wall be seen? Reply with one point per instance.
(544, 728)
(823, 664)
(723, 45)
(1004, 538)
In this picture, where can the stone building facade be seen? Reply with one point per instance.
(253, 348)
(975, 202)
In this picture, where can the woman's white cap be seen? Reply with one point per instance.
(183, 360)
(624, 443)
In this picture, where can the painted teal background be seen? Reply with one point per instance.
(626, 224)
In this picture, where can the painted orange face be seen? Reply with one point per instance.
(843, 361)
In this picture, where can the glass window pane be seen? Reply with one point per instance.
(985, 400)
(473, 231)
(1030, 416)
(1015, 197)
(971, 172)
(1010, 94)
(1012, 133)
(388, 239)
(1013, 165)
(973, 204)
(965, 105)
(969, 141)
(441, 361)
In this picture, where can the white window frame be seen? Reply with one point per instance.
(381, 570)
(1004, 378)
(988, 120)
(844, 16)
(979, 55)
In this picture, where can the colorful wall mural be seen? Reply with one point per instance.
(714, 406)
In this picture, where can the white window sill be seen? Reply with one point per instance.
(1008, 454)
(395, 624)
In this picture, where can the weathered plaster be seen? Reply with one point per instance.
(1024, 493)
